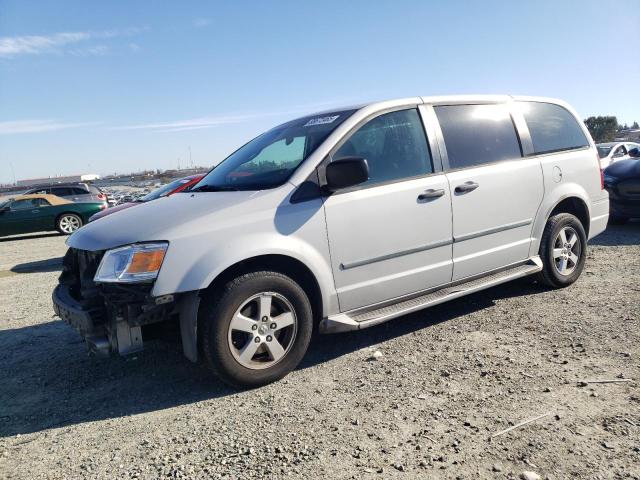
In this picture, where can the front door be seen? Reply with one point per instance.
(23, 217)
(390, 236)
(495, 192)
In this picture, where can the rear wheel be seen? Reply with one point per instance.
(256, 329)
(68, 223)
(563, 250)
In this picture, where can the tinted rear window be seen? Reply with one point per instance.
(62, 191)
(478, 134)
(552, 127)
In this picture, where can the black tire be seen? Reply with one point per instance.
(550, 274)
(219, 309)
(60, 223)
(617, 220)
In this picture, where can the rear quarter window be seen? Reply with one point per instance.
(552, 127)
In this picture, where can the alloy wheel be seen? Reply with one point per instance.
(262, 330)
(566, 251)
(69, 223)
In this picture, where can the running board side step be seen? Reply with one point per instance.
(369, 316)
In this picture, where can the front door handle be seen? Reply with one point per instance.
(35, 211)
(431, 193)
(466, 187)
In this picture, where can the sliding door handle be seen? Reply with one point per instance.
(466, 187)
(431, 193)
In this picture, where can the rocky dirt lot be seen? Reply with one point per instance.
(447, 380)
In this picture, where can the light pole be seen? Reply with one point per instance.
(13, 173)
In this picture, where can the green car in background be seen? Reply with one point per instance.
(38, 213)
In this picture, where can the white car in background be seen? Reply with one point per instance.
(614, 151)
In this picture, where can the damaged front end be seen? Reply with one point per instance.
(112, 317)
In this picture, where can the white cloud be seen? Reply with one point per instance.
(227, 119)
(35, 126)
(201, 22)
(39, 44)
(195, 123)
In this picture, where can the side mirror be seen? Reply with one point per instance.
(346, 172)
(634, 153)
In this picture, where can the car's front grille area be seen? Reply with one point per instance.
(630, 188)
(78, 269)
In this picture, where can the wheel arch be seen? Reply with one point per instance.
(569, 198)
(287, 265)
(576, 207)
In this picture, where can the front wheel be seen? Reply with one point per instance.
(563, 250)
(256, 329)
(68, 223)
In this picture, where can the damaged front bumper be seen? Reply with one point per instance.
(112, 318)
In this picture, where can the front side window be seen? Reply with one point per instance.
(269, 160)
(394, 145)
(24, 204)
(478, 134)
(552, 127)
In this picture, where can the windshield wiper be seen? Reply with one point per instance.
(214, 188)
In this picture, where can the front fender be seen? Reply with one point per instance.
(193, 263)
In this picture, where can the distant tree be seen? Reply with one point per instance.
(602, 129)
(635, 126)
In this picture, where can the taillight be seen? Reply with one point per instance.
(102, 196)
(103, 206)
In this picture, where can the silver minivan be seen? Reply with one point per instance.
(341, 220)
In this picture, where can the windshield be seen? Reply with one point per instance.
(269, 160)
(4, 203)
(604, 151)
(165, 189)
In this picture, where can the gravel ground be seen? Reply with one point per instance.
(447, 379)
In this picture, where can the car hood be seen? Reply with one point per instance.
(115, 209)
(171, 217)
(624, 169)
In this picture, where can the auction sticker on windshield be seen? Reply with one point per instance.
(321, 121)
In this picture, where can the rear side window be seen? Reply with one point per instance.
(552, 127)
(79, 191)
(478, 134)
(394, 145)
(62, 191)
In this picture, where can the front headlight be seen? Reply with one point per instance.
(139, 262)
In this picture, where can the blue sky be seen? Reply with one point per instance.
(120, 86)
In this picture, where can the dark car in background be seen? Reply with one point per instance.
(40, 213)
(75, 192)
(170, 188)
(622, 181)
